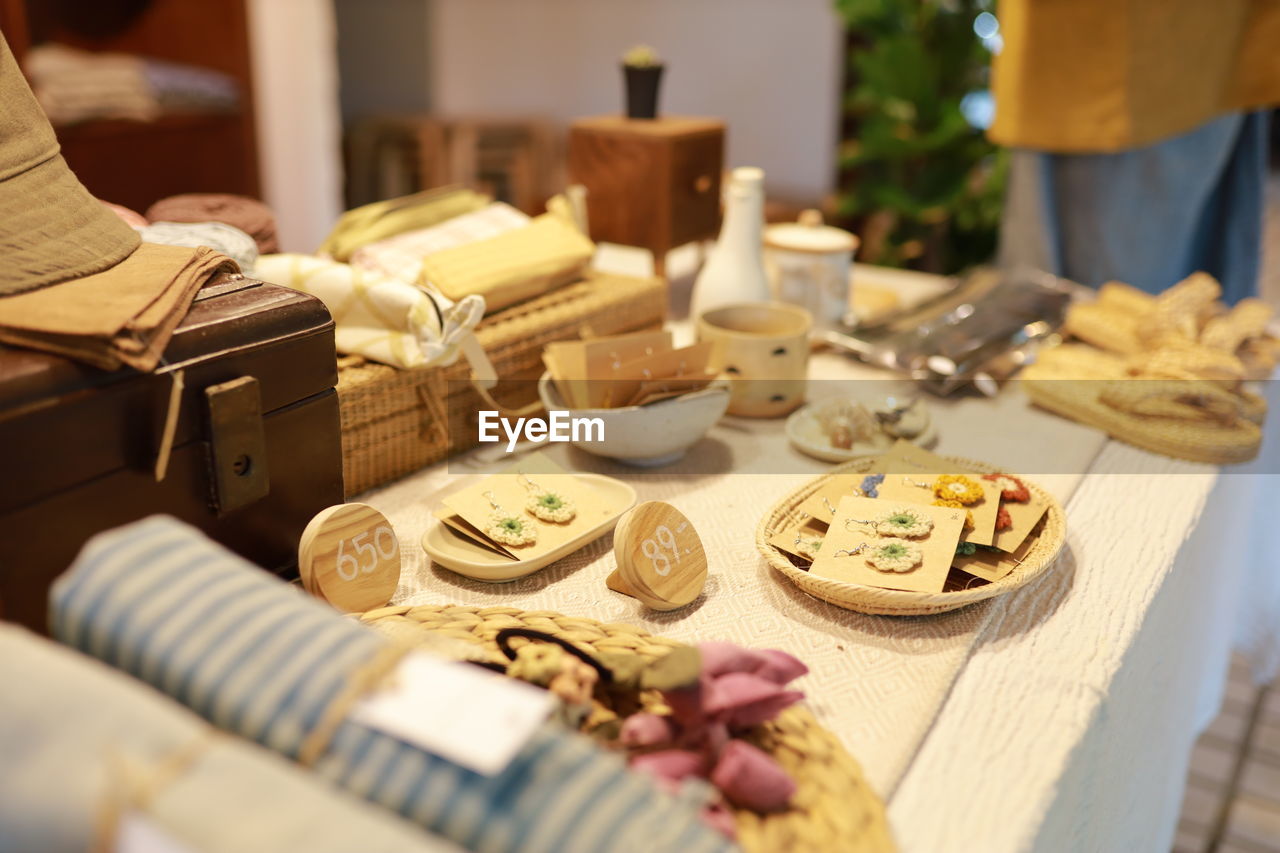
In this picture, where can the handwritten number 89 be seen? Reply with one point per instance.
(666, 540)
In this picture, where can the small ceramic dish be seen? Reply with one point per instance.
(651, 435)
(804, 429)
(457, 553)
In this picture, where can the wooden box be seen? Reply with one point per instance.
(653, 183)
(256, 450)
(396, 421)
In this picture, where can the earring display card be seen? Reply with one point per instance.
(839, 486)
(994, 565)
(811, 533)
(511, 490)
(850, 531)
(1025, 516)
(627, 378)
(903, 487)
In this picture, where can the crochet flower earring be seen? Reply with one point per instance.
(547, 505)
(904, 521)
(808, 546)
(895, 555)
(1012, 490)
(507, 528)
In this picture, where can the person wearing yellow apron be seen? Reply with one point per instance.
(1139, 137)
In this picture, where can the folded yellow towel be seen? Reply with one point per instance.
(513, 266)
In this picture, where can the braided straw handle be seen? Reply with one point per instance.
(833, 808)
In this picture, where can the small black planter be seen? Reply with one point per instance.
(642, 90)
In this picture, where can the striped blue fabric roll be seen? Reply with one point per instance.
(259, 659)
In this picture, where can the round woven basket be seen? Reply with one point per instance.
(895, 602)
(833, 808)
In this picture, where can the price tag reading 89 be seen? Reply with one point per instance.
(349, 556)
(661, 550)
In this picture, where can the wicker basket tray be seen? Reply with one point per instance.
(893, 602)
(397, 421)
(833, 807)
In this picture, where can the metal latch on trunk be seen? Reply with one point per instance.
(238, 444)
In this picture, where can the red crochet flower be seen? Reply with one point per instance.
(1003, 520)
(1011, 488)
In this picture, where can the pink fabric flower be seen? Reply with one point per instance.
(645, 729)
(724, 658)
(672, 764)
(743, 700)
(751, 779)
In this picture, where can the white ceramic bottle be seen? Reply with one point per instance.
(735, 270)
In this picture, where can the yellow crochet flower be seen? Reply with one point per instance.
(968, 514)
(957, 487)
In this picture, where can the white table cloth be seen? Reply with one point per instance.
(1069, 729)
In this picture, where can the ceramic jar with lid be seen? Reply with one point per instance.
(809, 264)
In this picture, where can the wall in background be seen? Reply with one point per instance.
(299, 131)
(770, 68)
(382, 56)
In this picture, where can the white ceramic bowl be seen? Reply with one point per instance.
(647, 435)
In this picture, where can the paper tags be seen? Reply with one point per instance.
(477, 719)
(854, 530)
(506, 495)
(625, 370)
(908, 474)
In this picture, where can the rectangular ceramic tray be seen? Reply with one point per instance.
(465, 557)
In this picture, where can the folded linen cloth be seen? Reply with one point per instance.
(401, 256)
(75, 85)
(84, 745)
(513, 266)
(380, 318)
(219, 236)
(122, 315)
(370, 223)
(258, 658)
(248, 214)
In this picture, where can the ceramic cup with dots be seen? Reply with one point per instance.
(763, 347)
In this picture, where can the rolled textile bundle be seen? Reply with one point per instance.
(255, 657)
(85, 745)
(370, 223)
(248, 214)
(401, 256)
(380, 318)
(227, 239)
(131, 217)
(513, 266)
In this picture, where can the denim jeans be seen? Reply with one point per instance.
(1148, 216)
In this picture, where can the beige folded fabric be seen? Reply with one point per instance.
(514, 266)
(382, 219)
(123, 315)
(85, 747)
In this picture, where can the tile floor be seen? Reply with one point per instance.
(1232, 804)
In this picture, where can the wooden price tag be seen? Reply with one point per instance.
(660, 558)
(350, 557)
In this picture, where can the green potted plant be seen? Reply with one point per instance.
(642, 71)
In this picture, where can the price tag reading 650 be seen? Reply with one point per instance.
(349, 556)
